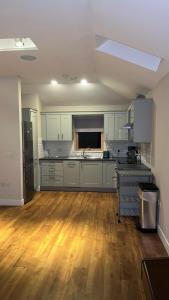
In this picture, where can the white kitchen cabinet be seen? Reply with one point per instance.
(121, 134)
(141, 117)
(56, 127)
(43, 127)
(109, 174)
(109, 126)
(66, 127)
(113, 126)
(51, 173)
(53, 127)
(71, 173)
(91, 174)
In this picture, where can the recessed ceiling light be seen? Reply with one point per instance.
(84, 81)
(28, 57)
(54, 82)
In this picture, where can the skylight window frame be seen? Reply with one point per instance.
(129, 54)
(10, 44)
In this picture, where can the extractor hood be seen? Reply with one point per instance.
(128, 125)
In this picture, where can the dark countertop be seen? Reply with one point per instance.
(122, 164)
(140, 167)
(77, 158)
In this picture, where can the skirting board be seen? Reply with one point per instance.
(10, 202)
(163, 239)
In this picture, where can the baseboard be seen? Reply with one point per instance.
(10, 202)
(163, 239)
(78, 189)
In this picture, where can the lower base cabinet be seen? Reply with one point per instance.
(91, 174)
(51, 173)
(53, 181)
(78, 174)
(109, 175)
(71, 171)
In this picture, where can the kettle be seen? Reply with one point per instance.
(106, 154)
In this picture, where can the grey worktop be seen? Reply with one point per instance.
(122, 165)
(77, 158)
(138, 167)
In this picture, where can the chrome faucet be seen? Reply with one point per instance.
(84, 154)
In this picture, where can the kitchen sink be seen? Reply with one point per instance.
(84, 158)
(92, 157)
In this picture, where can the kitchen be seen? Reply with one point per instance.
(73, 218)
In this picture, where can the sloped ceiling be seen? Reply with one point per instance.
(139, 24)
(65, 33)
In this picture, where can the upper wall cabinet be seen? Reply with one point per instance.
(56, 127)
(141, 120)
(113, 126)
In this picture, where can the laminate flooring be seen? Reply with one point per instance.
(69, 246)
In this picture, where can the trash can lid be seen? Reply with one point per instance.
(147, 186)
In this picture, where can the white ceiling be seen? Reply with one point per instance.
(65, 31)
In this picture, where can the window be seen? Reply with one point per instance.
(129, 54)
(89, 140)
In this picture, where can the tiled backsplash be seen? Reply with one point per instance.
(146, 152)
(52, 148)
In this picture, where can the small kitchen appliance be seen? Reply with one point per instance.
(132, 155)
(106, 154)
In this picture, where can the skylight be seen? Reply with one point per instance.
(129, 54)
(17, 44)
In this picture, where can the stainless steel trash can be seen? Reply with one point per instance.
(148, 199)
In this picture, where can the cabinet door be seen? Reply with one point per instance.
(109, 126)
(143, 122)
(51, 181)
(71, 173)
(120, 132)
(91, 174)
(43, 127)
(109, 175)
(66, 127)
(53, 127)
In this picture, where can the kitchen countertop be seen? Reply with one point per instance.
(78, 158)
(122, 165)
(140, 167)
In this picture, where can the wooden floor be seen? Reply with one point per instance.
(70, 246)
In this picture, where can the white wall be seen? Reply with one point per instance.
(11, 178)
(161, 154)
(87, 108)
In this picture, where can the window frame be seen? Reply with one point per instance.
(89, 149)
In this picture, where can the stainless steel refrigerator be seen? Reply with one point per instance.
(28, 168)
